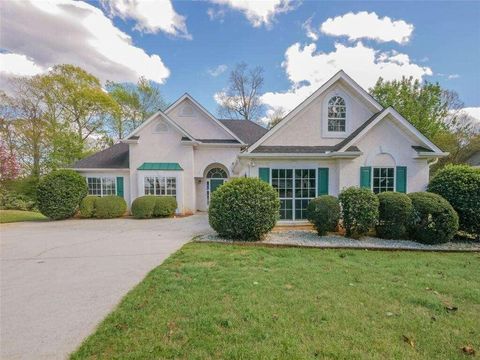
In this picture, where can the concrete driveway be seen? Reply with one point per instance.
(60, 279)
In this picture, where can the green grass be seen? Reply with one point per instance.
(9, 216)
(215, 301)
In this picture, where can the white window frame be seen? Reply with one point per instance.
(102, 190)
(161, 182)
(336, 134)
(372, 175)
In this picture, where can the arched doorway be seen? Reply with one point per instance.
(215, 178)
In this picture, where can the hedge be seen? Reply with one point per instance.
(87, 206)
(108, 207)
(359, 210)
(460, 186)
(145, 207)
(395, 213)
(324, 213)
(434, 219)
(244, 209)
(59, 194)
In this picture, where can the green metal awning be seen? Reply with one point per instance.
(160, 166)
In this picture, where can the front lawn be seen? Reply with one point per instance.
(237, 302)
(9, 216)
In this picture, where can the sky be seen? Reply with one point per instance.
(191, 46)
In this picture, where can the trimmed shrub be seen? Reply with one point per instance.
(434, 219)
(165, 206)
(143, 206)
(59, 194)
(359, 210)
(460, 186)
(324, 213)
(394, 214)
(244, 209)
(108, 207)
(87, 206)
(15, 201)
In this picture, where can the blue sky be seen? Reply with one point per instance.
(190, 40)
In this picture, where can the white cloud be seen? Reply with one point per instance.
(308, 69)
(18, 65)
(453, 76)
(473, 112)
(219, 70)
(73, 32)
(259, 12)
(309, 30)
(216, 14)
(369, 26)
(150, 16)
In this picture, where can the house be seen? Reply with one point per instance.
(338, 137)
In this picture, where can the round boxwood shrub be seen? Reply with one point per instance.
(143, 206)
(394, 214)
(460, 186)
(324, 213)
(359, 210)
(165, 206)
(59, 194)
(87, 206)
(434, 219)
(244, 209)
(109, 207)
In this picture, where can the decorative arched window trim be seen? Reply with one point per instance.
(161, 127)
(216, 173)
(325, 130)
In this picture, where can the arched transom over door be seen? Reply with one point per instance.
(215, 178)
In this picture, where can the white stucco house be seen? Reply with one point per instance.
(338, 137)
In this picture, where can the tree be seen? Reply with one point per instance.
(425, 105)
(241, 99)
(80, 99)
(136, 103)
(9, 167)
(275, 116)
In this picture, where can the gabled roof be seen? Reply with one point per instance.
(246, 130)
(341, 75)
(204, 111)
(278, 149)
(115, 157)
(404, 123)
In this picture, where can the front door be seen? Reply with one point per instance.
(213, 184)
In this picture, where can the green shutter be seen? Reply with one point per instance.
(264, 174)
(365, 177)
(401, 185)
(120, 186)
(322, 181)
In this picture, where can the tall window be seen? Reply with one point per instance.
(337, 114)
(160, 185)
(383, 179)
(305, 187)
(102, 186)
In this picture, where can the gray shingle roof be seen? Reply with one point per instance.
(248, 131)
(115, 157)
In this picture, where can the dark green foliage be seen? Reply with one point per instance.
(19, 194)
(87, 206)
(15, 201)
(434, 219)
(143, 206)
(324, 213)
(244, 209)
(108, 207)
(395, 213)
(359, 210)
(460, 186)
(164, 206)
(59, 194)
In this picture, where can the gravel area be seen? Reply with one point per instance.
(309, 238)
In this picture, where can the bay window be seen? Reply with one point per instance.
(160, 185)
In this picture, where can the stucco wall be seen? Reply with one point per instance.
(309, 127)
(198, 124)
(163, 147)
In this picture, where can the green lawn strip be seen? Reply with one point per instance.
(9, 216)
(221, 301)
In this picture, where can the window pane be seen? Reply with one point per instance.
(149, 185)
(94, 186)
(108, 186)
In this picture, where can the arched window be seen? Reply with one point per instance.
(216, 173)
(161, 127)
(337, 114)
